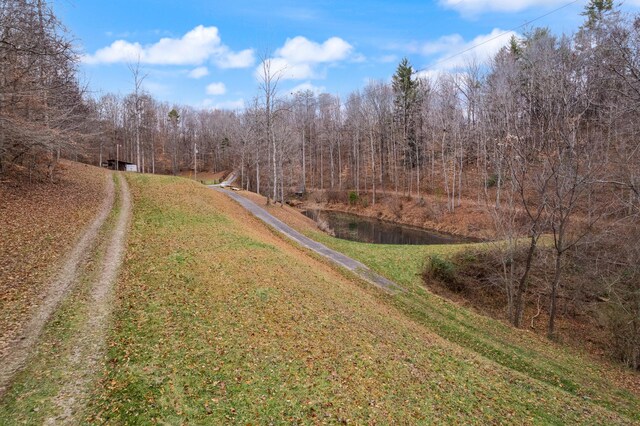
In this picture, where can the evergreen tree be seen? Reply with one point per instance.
(595, 9)
(514, 47)
(406, 101)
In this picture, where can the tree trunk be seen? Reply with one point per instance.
(523, 284)
(304, 164)
(554, 295)
(373, 167)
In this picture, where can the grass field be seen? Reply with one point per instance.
(221, 321)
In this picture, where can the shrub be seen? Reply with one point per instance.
(624, 327)
(320, 197)
(444, 271)
(396, 207)
(353, 197)
(621, 313)
(491, 181)
(323, 225)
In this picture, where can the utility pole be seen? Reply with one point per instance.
(195, 161)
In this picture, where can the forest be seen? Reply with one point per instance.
(543, 138)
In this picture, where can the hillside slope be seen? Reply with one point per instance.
(56, 358)
(220, 320)
(557, 364)
(40, 222)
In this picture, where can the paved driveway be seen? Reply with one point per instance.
(338, 258)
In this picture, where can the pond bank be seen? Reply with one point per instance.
(469, 220)
(365, 229)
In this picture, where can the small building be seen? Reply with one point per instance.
(300, 191)
(123, 166)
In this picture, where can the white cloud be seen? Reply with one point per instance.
(199, 72)
(118, 51)
(301, 50)
(298, 58)
(216, 89)
(473, 7)
(433, 75)
(284, 69)
(308, 86)
(454, 52)
(194, 48)
(228, 105)
(155, 88)
(443, 43)
(242, 59)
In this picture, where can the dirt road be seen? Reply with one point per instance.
(93, 264)
(20, 348)
(89, 343)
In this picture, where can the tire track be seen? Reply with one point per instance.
(89, 344)
(19, 350)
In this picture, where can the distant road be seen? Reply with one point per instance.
(334, 256)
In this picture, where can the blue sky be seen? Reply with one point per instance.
(206, 53)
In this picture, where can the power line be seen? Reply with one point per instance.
(496, 37)
(360, 97)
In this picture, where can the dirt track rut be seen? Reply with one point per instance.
(105, 242)
(89, 343)
(20, 348)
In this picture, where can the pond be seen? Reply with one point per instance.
(369, 230)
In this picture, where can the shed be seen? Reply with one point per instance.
(121, 165)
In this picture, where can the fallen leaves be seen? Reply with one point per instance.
(39, 223)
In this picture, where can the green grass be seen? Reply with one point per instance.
(518, 350)
(219, 321)
(209, 181)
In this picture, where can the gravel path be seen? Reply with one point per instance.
(338, 258)
(19, 350)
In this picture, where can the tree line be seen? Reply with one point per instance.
(42, 110)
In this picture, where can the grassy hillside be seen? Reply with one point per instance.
(608, 385)
(219, 320)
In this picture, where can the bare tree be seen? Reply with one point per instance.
(41, 106)
(268, 84)
(138, 101)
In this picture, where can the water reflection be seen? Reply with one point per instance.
(368, 230)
